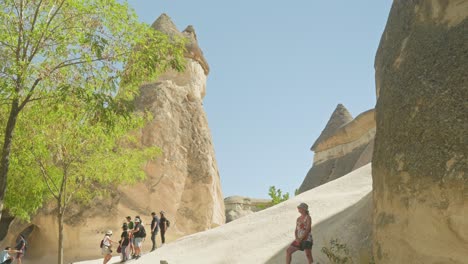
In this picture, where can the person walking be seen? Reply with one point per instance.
(138, 235)
(303, 236)
(130, 226)
(106, 246)
(7, 255)
(20, 247)
(154, 229)
(163, 225)
(124, 242)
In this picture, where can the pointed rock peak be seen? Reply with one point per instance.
(339, 117)
(190, 30)
(164, 24)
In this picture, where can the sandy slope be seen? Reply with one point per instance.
(340, 208)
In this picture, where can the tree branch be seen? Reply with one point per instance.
(46, 177)
(30, 93)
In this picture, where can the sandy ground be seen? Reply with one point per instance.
(337, 209)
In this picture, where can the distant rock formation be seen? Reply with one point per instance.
(238, 206)
(184, 181)
(419, 168)
(343, 146)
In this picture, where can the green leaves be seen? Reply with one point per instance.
(277, 196)
(75, 67)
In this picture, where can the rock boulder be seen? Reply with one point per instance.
(420, 182)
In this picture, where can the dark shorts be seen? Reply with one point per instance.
(304, 245)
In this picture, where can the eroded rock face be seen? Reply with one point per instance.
(238, 206)
(419, 165)
(187, 172)
(184, 181)
(344, 145)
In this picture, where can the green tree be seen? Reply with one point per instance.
(72, 157)
(277, 196)
(52, 49)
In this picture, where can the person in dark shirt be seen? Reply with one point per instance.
(124, 242)
(154, 229)
(137, 238)
(163, 227)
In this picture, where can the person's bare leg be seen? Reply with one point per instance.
(289, 253)
(308, 253)
(18, 260)
(107, 258)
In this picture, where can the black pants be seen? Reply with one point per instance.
(163, 236)
(153, 239)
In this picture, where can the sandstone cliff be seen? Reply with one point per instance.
(343, 146)
(184, 181)
(419, 165)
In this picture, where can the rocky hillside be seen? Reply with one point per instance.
(420, 165)
(184, 181)
(343, 146)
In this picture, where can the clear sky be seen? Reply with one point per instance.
(278, 70)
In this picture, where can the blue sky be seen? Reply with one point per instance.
(278, 70)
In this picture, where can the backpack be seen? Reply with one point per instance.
(168, 223)
(102, 243)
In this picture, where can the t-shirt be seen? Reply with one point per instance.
(137, 226)
(4, 256)
(125, 239)
(155, 223)
(162, 221)
(131, 225)
(106, 241)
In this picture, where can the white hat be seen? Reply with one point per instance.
(137, 220)
(109, 232)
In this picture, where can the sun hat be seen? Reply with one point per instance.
(137, 220)
(162, 212)
(109, 232)
(303, 206)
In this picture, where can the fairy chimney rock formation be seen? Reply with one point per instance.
(419, 168)
(338, 118)
(344, 145)
(185, 180)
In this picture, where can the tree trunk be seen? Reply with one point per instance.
(60, 242)
(5, 159)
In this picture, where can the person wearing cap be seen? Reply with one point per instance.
(106, 246)
(154, 229)
(303, 235)
(137, 239)
(162, 227)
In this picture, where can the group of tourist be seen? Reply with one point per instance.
(133, 236)
(9, 254)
